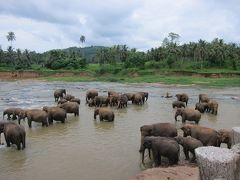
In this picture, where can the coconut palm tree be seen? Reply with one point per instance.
(11, 37)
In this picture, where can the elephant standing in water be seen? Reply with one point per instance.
(70, 107)
(213, 106)
(36, 115)
(203, 98)
(161, 146)
(12, 111)
(137, 99)
(55, 113)
(201, 107)
(189, 144)
(182, 97)
(225, 136)
(144, 96)
(158, 129)
(91, 94)
(188, 114)
(13, 133)
(178, 104)
(104, 113)
(59, 94)
(208, 136)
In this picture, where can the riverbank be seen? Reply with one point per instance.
(208, 79)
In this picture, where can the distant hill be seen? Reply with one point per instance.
(88, 52)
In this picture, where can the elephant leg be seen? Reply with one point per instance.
(29, 123)
(18, 146)
(9, 117)
(101, 118)
(23, 142)
(156, 158)
(7, 141)
(186, 153)
(14, 117)
(149, 153)
(63, 121)
(194, 156)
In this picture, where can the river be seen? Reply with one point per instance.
(86, 149)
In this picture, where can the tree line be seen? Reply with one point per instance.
(171, 54)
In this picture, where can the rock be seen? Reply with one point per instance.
(217, 163)
(236, 135)
(169, 173)
(236, 148)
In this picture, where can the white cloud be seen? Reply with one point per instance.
(47, 24)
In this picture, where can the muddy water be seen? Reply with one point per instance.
(86, 149)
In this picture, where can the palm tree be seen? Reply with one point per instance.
(82, 39)
(11, 37)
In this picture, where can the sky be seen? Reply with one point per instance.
(41, 25)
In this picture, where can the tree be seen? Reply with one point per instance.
(82, 39)
(11, 37)
(174, 37)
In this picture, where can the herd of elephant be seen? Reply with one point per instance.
(15, 133)
(162, 139)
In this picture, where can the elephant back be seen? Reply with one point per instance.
(164, 130)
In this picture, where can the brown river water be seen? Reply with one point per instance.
(86, 149)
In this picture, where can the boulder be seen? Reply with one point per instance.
(217, 163)
(236, 135)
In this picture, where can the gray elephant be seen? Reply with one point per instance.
(110, 93)
(188, 114)
(213, 106)
(144, 96)
(70, 107)
(208, 136)
(36, 115)
(137, 99)
(59, 94)
(55, 113)
(182, 97)
(91, 94)
(12, 111)
(225, 137)
(113, 100)
(68, 97)
(189, 144)
(14, 134)
(158, 129)
(99, 101)
(104, 114)
(201, 107)
(130, 96)
(203, 98)
(122, 101)
(178, 104)
(161, 146)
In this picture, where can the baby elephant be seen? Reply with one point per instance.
(201, 107)
(104, 113)
(189, 144)
(224, 136)
(55, 113)
(162, 146)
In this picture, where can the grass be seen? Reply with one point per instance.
(116, 73)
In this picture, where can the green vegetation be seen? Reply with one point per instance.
(170, 63)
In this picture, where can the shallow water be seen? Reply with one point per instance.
(86, 149)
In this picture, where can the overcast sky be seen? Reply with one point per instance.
(41, 25)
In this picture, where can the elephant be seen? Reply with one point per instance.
(101, 100)
(70, 107)
(188, 114)
(137, 99)
(68, 97)
(189, 144)
(161, 146)
(144, 96)
(208, 136)
(62, 101)
(55, 113)
(130, 96)
(14, 134)
(104, 113)
(178, 104)
(213, 106)
(36, 115)
(110, 93)
(59, 94)
(12, 111)
(113, 100)
(201, 107)
(158, 129)
(77, 100)
(225, 137)
(182, 97)
(203, 98)
(122, 101)
(91, 94)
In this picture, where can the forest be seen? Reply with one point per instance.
(171, 54)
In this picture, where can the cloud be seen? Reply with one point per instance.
(47, 24)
